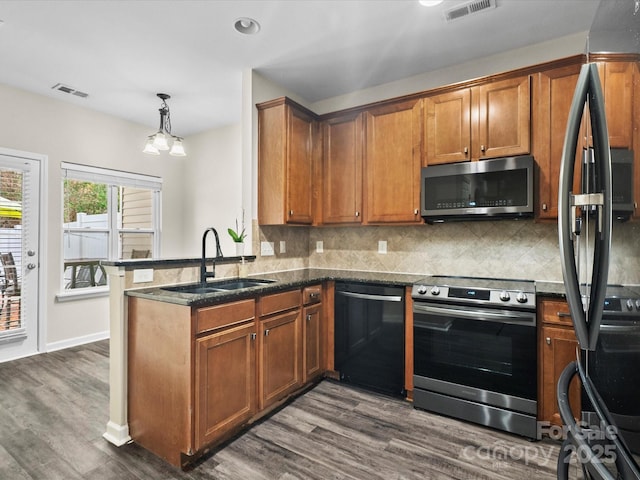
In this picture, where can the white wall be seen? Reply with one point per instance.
(212, 195)
(65, 132)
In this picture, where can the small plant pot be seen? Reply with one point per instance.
(239, 249)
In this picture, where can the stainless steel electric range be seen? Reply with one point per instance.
(475, 351)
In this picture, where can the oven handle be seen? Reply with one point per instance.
(502, 316)
(608, 328)
(365, 296)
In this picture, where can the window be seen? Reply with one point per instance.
(108, 215)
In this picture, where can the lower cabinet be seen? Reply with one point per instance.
(556, 349)
(196, 376)
(312, 333)
(225, 381)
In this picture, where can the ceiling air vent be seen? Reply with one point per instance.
(66, 89)
(469, 8)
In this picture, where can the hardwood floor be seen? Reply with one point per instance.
(54, 408)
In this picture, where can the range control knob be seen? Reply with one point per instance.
(504, 296)
(521, 297)
(637, 304)
(422, 289)
(629, 305)
(435, 290)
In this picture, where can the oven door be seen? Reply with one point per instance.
(472, 351)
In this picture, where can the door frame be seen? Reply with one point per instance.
(42, 246)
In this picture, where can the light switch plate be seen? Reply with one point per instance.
(266, 249)
(143, 275)
(283, 246)
(382, 246)
(319, 246)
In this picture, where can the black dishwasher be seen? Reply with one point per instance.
(369, 336)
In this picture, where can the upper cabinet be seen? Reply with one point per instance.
(552, 97)
(286, 134)
(342, 170)
(485, 121)
(392, 163)
(617, 82)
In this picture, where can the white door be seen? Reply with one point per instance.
(19, 244)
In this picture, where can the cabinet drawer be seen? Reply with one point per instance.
(312, 294)
(278, 302)
(556, 311)
(217, 316)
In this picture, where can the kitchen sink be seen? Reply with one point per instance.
(195, 288)
(237, 284)
(220, 286)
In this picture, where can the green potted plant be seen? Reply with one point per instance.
(238, 235)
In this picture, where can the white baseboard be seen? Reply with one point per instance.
(74, 342)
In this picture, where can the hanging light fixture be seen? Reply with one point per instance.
(161, 139)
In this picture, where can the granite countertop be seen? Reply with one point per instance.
(281, 281)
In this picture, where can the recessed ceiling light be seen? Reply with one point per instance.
(247, 26)
(430, 3)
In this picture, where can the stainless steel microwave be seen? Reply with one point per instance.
(496, 188)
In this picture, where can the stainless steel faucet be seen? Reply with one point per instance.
(203, 266)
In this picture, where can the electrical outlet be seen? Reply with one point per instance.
(143, 275)
(266, 249)
(283, 246)
(319, 246)
(382, 246)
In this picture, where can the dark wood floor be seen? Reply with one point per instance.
(54, 408)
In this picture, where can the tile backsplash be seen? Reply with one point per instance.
(502, 249)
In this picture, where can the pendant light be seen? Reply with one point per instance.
(163, 140)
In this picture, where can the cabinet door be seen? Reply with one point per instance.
(504, 118)
(285, 163)
(311, 334)
(617, 80)
(392, 163)
(342, 195)
(281, 367)
(299, 172)
(448, 127)
(553, 94)
(557, 349)
(225, 381)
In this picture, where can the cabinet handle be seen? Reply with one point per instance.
(308, 317)
(253, 336)
(415, 212)
(482, 148)
(314, 294)
(466, 150)
(563, 314)
(291, 213)
(357, 214)
(266, 332)
(545, 207)
(548, 340)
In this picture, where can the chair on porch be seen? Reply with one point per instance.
(11, 288)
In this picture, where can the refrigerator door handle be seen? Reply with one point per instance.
(586, 324)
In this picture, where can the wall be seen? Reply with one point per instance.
(65, 132)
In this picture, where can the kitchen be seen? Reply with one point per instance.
(442, 249)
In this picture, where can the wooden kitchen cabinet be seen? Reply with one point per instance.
(286, 135)
(485, 121)
(556, 349)
(552, 96)
(393, 148)
(279, 330)
(342, 170)
(312, 332)
(185, 389)
(617, 80)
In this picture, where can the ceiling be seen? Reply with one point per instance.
(124, 52)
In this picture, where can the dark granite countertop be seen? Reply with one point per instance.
(282, 281)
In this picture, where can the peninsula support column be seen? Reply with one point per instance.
(117, 428)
